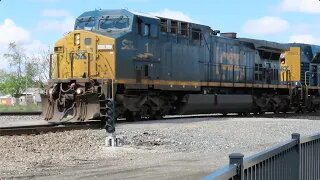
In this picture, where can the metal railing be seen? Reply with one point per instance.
(246, 74)
(296, 159)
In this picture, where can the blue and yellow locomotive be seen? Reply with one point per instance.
(118, 63)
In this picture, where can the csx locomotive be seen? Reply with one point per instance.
(118, 63)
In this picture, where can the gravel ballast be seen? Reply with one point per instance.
(186, 148)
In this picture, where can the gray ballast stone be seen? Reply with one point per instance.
(180, 148)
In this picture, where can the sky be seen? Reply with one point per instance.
(36, 24)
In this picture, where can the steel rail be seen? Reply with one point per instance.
(267, 114)
(20, 113)
(58, 127)
(42, 129)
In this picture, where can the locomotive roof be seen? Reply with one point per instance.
(258, 44)
(129, 13)
(266, 45)
(144, 14)
(160, 17)
(97, 13)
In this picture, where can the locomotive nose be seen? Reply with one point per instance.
(83, 54)
(81, 57)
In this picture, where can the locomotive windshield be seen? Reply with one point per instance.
(114, 23)
(85, 23)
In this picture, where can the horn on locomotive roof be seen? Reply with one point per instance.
(215, 32)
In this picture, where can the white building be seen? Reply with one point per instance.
(31, 96)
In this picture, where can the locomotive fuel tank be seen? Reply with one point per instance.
(218, 103)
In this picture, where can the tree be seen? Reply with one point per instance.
(30, 74)
(27, 71)
(41, 65)
(12, 85)
(3, 73)
(15, 57)
(13, 82)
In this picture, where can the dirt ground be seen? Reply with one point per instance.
(179, 148)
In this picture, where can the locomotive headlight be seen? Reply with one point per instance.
(77, 39)
(50, 91)
(79, 91)
(77, 36)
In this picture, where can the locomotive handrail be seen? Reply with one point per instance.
(109, 66)
(50, 66)
(89, 64)
(204, 38)
(305, 77)
(247, 74)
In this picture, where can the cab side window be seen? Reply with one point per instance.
(146, 31)
(163, 25)
(196, 34)
(139, 26)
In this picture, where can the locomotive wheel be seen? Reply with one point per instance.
(316, 108)
(132, 116)
(244, 114)
(259, 111)
(157, 116)
(311, 107)
(299, 110)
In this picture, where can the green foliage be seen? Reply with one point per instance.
(21, 108)
(30, 74)
(16, 81)
(12, 84)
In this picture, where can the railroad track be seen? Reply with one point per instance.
(41, 129)
(20, 113)
(235, 115)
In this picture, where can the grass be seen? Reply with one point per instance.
(20, 108)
